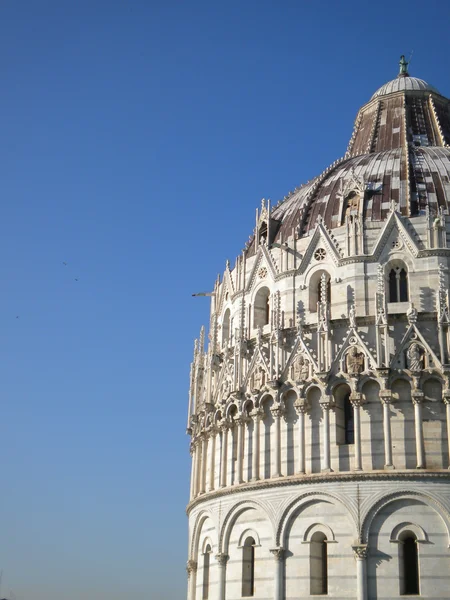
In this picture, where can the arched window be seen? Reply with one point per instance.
(409, 564)
(248, 567)
(226, 326)
(206, 561)
(398, 284)
(318, 564)
(261, 310)
(316, 289)
(349, 422)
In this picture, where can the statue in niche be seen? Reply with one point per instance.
(300, 368)
(414, 357)
(354, 362)
(258, 378)
(352, 202)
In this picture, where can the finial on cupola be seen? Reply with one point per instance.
(403, 67)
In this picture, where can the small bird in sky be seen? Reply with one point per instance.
(64, 263)
(77, 279)
(17, 316)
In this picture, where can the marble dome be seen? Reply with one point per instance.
(404, 84)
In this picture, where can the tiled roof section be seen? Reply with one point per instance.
(402, 84)
(383, 175)
(380, 124)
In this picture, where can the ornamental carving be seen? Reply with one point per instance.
(191, 566)
(320, 254)
(415, 357)
(278, 553)
(258, 378)
(300, 368)
(360, 551)
(411, 314)
(222, 559)
(226, 387)
(262, 273)
(354, 362)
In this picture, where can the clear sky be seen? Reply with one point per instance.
(137, 139)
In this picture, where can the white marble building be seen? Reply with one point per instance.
(320, 410)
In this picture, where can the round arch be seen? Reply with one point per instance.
(292, 510)
(400, 529)
(385, 500)
(231, 517)
(199, 521)
(250, 532)
(312, 529)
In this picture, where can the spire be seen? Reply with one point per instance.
(403, 67)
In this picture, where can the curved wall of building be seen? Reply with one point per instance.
(319, 413)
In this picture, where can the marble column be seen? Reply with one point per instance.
(198, 465)
(417, 398)
(326, 405)
(192, 452)
(447, 412)
(257, 415)
(356, 400)
(223, 453)
(360, 552)
(222, 578)
(301, 408)
(204, 462)
(277, 412)
(191, 568)
(386, 399)
(212, 457)
(240, 425)
(278, 554)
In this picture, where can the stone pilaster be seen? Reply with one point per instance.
(278, 554)
(360, 553)
(222, 560)
(301, 409)
(418, 398)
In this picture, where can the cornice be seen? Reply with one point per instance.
(318, 478)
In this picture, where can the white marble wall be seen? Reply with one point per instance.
(350, 513)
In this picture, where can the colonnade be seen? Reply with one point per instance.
(214, 444)
(360, 552)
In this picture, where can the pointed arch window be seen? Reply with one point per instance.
(248, 568)
(206, 569)
(398, 284)
(226, 326)
(409, 565)
(261, 311)
(318, 564)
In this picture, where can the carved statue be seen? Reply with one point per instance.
(352, 316)
(300, 368)
(352, 202)
(226, 388)
(354, 362)
(258, 378)
(415, 357)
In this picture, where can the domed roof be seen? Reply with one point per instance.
(399, 153)
(403, 84)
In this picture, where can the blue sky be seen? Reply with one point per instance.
(137, 139)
